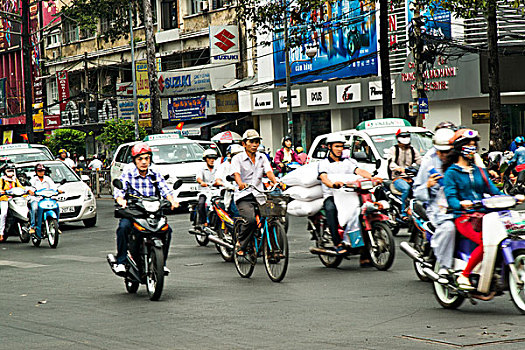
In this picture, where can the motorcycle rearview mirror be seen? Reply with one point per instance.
(177, 184)
(63, 181)
(118, 184)
(230, 178)
(167, 176)
(379, 161)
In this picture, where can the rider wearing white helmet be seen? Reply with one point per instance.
(205, 177)
(428, 188)
(334, 164)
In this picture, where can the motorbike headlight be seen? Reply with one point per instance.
(499, 202)
(367, 185)
(151, 206)
(88, 195)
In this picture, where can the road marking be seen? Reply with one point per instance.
(20, 264)
(76, 258)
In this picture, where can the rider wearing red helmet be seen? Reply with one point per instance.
(143, 181)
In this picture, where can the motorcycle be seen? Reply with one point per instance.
(376, 236)
(421, 232)
(47, 218)
(220, 225)
(503, 265)
(393, 196)
(145, 258)
(17, 220)
(201, 236)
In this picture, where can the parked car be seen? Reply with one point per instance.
(23, 152)
(174, 156)
(369, 141)
(77, 203)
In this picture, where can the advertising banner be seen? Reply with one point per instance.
(437, 20)
(10, 24)
(63, 88)
(184, 82)
(342, 31)
(38, 117)
(224, 44)
(143, 103)
(227, 103)
(187, 108)
(7, 137)
(51, 122)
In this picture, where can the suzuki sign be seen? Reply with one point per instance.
(224, 44)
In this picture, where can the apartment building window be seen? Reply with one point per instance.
(196, 6)
(53, 39)
(86, 34)
(217, 4)
(70, 32)
(169, 14)
(52, 87)
(104, 25)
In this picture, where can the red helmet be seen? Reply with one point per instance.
(140, 148)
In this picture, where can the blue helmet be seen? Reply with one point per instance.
(520, 140)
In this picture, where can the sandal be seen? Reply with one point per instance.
(238, 249)
(464, 283)
(340, 249)
(365, 263)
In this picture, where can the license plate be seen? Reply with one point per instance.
(194, 188)
(64, 210)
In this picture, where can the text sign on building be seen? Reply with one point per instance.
(224, 44)
(348, 93)
(317, 96)
(263, 101)
(184, 82)
(375, 90)
(63, 88)
(187, 108)
(296, 99)
(143, 103)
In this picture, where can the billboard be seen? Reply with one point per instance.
(344, 31)
(224, 44)
(187, 108)
(437, 20)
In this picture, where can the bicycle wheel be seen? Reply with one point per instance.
(276, 251)
(243, 266)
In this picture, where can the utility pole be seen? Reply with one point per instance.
(420, 88)
(133, 75)
(289, 113)
(86, 87)
(156, 115)
(28, 86)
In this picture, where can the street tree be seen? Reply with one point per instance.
(119, 131)
(488, 9)
(267, 16)
(74, 141)
(87, 13)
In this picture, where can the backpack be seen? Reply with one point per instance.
(397, 157)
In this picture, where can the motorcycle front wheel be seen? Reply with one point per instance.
(52, 233)
(155, 277)
(23, 233)
(384, 252)
(518, 292)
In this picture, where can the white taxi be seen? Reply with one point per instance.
(24, 152)
(174, 156)
(371, 139)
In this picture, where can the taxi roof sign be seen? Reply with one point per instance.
(159, 137)
(382, 123)
(15, 146)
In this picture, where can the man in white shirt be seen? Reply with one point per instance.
(95, 164)
(248, 168)
(62, 155)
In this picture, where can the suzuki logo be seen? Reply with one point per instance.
(224, 40)
(161, 84)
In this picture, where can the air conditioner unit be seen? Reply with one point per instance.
(204, 6)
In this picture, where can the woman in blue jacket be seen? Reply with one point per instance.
(465, 182)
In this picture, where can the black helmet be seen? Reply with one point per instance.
(286, 138)
(9, 166)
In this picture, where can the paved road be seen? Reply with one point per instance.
(68, 299)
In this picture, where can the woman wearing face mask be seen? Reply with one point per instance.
(7, 182)
(465, 182)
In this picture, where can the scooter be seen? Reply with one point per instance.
(201, 236)
(375, 235)
(47, 221)
(17, 220)
(503, 265)
(145, 259)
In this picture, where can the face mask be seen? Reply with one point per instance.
(468, 151)
(404, 140)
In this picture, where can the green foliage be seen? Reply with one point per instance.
(119, 131)
(472, 8)
(87, 13)
(72, 140)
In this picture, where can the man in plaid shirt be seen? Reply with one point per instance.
(142, 181)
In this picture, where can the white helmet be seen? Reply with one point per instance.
(209, 153)
(235, 149)
(442, 138)
(335, 138)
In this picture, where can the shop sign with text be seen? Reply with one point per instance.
(187, 108)
(296, 99)
(375, 90)
(263, 101)
(63, 88)
(348, 93)
(317, 96)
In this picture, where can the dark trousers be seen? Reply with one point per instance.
(246, 207)
(124, 229)
(201, 210)
(331, 219)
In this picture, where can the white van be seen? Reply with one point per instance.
(173, 155)
(369, 141)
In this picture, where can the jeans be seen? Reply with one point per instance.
(331, 219)
(124, 229)
(201, 210)
(403, 187)
(33, 208)
(246, 207)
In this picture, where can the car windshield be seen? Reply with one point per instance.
(26, 157)
(57, 172)
(422, 141)
(177, 153)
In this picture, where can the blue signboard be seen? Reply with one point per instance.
(187, 108)
(423, 105)
(436, 23)
(344, 32)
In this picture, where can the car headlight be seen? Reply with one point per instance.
(88, 195)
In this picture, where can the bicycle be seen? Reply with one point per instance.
(269, 239)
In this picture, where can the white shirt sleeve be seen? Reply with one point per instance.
(236, 164)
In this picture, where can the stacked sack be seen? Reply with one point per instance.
(305, 189)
